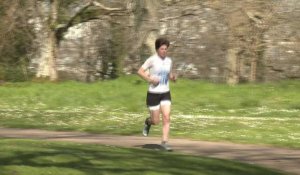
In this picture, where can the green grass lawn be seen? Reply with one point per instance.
(23, 157)
(248, 113)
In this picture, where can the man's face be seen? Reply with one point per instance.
(162, 51)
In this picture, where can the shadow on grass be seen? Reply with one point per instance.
(64, 158)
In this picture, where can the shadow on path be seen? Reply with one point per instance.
(151, 146)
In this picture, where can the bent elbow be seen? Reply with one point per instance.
(140, 72)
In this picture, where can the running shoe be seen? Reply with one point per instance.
(147, 127)
(164, 145)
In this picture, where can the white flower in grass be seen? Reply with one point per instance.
(231, 111)
(294, 137)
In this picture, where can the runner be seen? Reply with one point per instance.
(157, 70)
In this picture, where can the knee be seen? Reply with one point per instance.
(155, 121)
(166, 119)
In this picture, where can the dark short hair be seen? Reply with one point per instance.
(161, 41)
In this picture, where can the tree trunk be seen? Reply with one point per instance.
(53, 34)
(53, 41)
(253, 69)
(147, 32)
(47, 63)
(52, 57)
(233, 66)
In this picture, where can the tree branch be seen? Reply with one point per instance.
(175, 17)
(61, 29)
(97, 4)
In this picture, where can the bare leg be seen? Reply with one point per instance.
(166, 111)
(154, 116)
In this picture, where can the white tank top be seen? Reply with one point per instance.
(158, 68)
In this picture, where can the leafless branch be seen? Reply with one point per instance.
(97, 4)
(61, 29)
(175, 17)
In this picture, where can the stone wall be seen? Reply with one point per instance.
(282, 52)
(216, 40)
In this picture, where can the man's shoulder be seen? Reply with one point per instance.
(169, 59)
(152, 57)
(155, 57)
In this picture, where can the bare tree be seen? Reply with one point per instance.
(47, 66)
(15, 41)
(247, 24)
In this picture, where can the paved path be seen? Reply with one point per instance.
(287, 160)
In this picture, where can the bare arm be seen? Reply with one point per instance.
(142, 73)
(172, 75)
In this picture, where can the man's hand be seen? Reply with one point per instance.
(173, 77)
(154, 81)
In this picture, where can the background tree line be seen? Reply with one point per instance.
(16, 41)
(224, 41)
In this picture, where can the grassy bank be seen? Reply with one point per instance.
(59, 158)
(248, 113)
